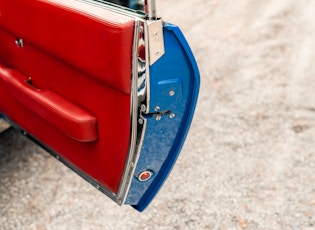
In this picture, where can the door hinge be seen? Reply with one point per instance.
(156, 40)
(155, 32)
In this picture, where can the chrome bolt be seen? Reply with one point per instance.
(172, 115)
(171, 93)
(143, 108)
(140, 121)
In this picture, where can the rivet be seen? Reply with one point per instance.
(24, 133)
(171, 93)
(97, 187)
(131, 164)
(155, 33)
(157, 108)
(172, 115)
(158, 117)
(157, 53)
(140, 121)
(57, 157)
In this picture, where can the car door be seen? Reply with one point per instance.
(109, 91)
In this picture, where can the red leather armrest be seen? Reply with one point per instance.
(62, 114)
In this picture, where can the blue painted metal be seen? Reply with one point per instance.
(176, 71)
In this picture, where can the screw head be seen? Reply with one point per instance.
(157, 108)
(19, 42)
(143, 108)
(140, 121)
(171, 93)
(158, 117)
(172, 115)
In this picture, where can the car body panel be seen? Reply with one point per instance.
(174, 83)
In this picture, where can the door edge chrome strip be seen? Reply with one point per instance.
(139, 104)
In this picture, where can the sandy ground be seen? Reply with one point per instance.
(249, 161)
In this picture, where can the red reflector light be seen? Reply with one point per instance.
(145, 175)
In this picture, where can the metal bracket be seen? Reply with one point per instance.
(154, 32)
(156, 40)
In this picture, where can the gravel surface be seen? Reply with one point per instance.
(249, 160)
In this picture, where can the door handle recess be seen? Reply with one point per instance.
(56, 110)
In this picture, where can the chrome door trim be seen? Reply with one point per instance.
(139, 104)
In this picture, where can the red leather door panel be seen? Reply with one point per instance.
(80, 65)
(62, 114)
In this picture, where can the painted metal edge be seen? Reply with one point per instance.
(163, 173)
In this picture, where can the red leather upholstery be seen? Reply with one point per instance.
(62, 114)
(81, 62)
(95, 46)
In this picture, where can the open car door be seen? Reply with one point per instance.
(107, 90)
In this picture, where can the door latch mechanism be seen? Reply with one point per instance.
(158, 113)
